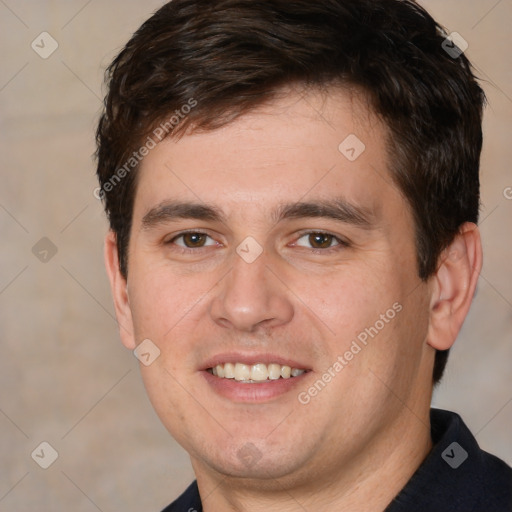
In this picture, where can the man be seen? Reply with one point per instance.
(293, 191)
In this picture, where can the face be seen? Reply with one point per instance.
(269, 247)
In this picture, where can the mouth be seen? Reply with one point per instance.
(253, 379)
(255, 373)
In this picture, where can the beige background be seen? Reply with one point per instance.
(64, 376)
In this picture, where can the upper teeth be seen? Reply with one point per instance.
(256, 372)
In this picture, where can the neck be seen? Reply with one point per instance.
(368, 482)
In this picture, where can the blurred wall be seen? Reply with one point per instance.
(65, 379)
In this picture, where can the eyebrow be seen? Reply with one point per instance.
(172, 210)
(337, 209)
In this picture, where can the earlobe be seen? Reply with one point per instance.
(119, 289)
(453, 287)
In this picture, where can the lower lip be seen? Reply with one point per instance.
(259, 392)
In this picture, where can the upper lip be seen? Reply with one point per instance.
(251, 359)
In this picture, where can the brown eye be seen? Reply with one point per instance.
(192, 240)
(320, 240)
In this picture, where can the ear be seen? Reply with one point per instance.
(453, 286)
(119, 289)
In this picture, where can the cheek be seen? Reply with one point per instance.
(171, 311)
(159, 300)
(369, 314)
(167, 396)
(348, 300)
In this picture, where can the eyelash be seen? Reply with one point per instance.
(341, 244)
(187, 250)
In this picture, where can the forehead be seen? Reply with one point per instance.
(298, 146)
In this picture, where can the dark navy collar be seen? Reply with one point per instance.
(456, 476)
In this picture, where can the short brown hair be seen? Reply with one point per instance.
(230, 56)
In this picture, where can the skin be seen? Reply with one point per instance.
(356, 443)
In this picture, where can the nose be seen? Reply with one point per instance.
(251, 297)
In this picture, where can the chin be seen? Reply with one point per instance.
(266, 469)
(256, 460)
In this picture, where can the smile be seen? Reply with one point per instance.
(256, 373)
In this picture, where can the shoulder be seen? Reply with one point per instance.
(457, 475)
(497, 482)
